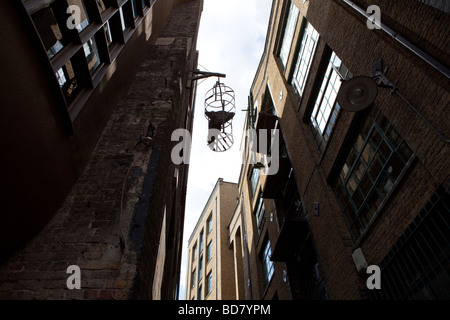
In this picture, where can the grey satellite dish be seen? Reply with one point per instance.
(357, 93)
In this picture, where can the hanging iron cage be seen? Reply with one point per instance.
(220, 110)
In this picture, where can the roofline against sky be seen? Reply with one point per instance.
(214, 191)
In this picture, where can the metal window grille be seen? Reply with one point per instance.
(377, 159)
(418, 265)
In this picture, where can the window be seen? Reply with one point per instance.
(266, 262)
(260, 212)
(288, 33)
(200, 269)
(209, 283)
(254, 179)
(304, 59)
(199, 292)
(193, 279)
(134, 6)
(194, 252)
(102, 5)
(61, 43)
(123, 21)
(49, 31)
(417, 267)
(200, 249)
(68, 82)
(326, 108)
(376, 160)
(209, 223)
(91, 54)
(208, 252)
(108, 35)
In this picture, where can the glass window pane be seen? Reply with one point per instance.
(289, 33)
(326, 108)
(209, 282)
(370, 176)
(122, 20)
(91, 53)
(267, 263)
(308, 47)
(201, 242)
(107, 30)
(68, 82)
(199, 293)
(101, 5)
(134, 8)
(209, 252)
(49, 31)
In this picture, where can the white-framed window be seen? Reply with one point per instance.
(289, 31)
(326, 108)
(305, 57)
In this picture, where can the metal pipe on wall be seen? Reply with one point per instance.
(406, 43)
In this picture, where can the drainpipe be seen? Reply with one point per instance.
(406, 43)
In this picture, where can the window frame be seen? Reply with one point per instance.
(209, 224)
(201, 244)
(200, 269)
(308, 32)
(287, 36)
(259, 212)
(337, 71)
(209, 252)
(373, 122)
(425, 236)
(209, 283)
(193, 278)
(194, 252)
(268, 265)
(73, 41)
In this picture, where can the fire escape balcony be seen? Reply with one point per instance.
(292, 237)
(295, 229)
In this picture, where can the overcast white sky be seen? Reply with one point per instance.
(231, 41)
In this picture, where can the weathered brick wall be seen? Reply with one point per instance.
(111, 221)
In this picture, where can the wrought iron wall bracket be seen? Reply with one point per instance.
(203, 74)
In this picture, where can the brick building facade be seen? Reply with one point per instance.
(91, 182)
(375, 181)
(210, 266)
